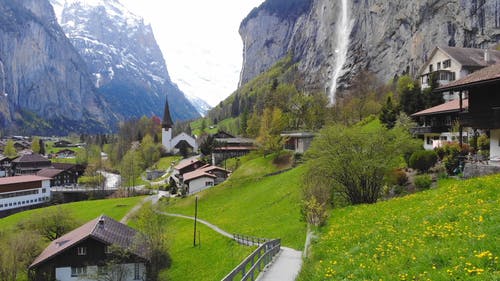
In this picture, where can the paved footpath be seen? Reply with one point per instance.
(285, 267)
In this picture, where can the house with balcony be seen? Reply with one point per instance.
(447, 64)
(483, 104)
(436, 124)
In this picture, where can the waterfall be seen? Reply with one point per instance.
(2, 76)
(343, 31)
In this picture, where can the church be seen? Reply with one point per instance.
(174, 145)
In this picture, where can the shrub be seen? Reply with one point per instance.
(423, 160)
(398, 177)
(483, 142)
(423, 181)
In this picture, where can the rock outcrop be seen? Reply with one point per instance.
(387, 37)
(121, 52)
(45, 86)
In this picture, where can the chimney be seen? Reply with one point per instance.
(487, 56)
(100, 223)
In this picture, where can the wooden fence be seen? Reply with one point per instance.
(250, 268)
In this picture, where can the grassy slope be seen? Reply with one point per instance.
(212, 260)
(82, 211)
(450, 233)
(253, 205)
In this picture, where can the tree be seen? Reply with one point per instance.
(153, 240)
(389, 113)
(411, 99)
(42, 146)
(131, 167)
(35, 144)
(18, 251)
(9, 149)
(55, 223)
(352, 162)
(150, 151)
(272, 124)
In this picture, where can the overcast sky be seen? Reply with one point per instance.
(200, 42)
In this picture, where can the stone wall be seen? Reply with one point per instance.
(476, 170)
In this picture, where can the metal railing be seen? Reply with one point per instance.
(250, 268)
(249, 240)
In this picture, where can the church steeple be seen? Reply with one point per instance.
(167, 119)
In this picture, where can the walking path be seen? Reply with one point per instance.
(286, 266)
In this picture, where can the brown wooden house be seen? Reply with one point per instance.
(84, 254)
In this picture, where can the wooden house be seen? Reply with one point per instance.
(85, 254)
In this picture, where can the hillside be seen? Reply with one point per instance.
(448, 233)
(251, 203)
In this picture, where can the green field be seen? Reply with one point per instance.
(82, 211)
(251, 204)
(212, 260)
(448, 233)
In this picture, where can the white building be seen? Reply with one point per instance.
(452, 63)
(173, 145)
(23, 192)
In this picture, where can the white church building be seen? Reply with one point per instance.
(173, 145)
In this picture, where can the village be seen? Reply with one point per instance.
(465, 77)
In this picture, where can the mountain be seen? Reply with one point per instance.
(44, 82)
(333, 40)
(121, 52)
(201, 106)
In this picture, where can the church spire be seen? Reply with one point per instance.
(167, 119)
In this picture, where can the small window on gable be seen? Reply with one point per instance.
(438, 66)
(431, 69)
(81, 251)
(137, 271)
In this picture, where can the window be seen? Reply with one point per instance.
(78, 271)
(447, 63)
(438, 66)
(430, 68)
(209, 183)
(137, 271)
(107, 250)
(44, 190)
(81, 251)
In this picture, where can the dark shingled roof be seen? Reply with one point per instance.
(29, 158)
(167, 119)
(103, 228)
(49, 172)
(485, 75)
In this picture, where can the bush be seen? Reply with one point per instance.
(423, 181)
(423, 160)
(398, 177)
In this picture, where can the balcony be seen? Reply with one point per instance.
(488, 119)
(429, 130)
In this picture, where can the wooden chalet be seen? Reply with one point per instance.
(30, 164)
(83, 253)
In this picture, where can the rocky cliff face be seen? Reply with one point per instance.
(385, 36)
(44, 85)
(122, 54)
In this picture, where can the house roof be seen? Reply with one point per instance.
(234, 140)
(447, 107)
(297, 134)
(167, 119)
(197, 174)
(468, 57)
(65, 166)
(49, 172)
(186, 163)
(21, 179)
(103, 228)
(29, 158)
(486, 75)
